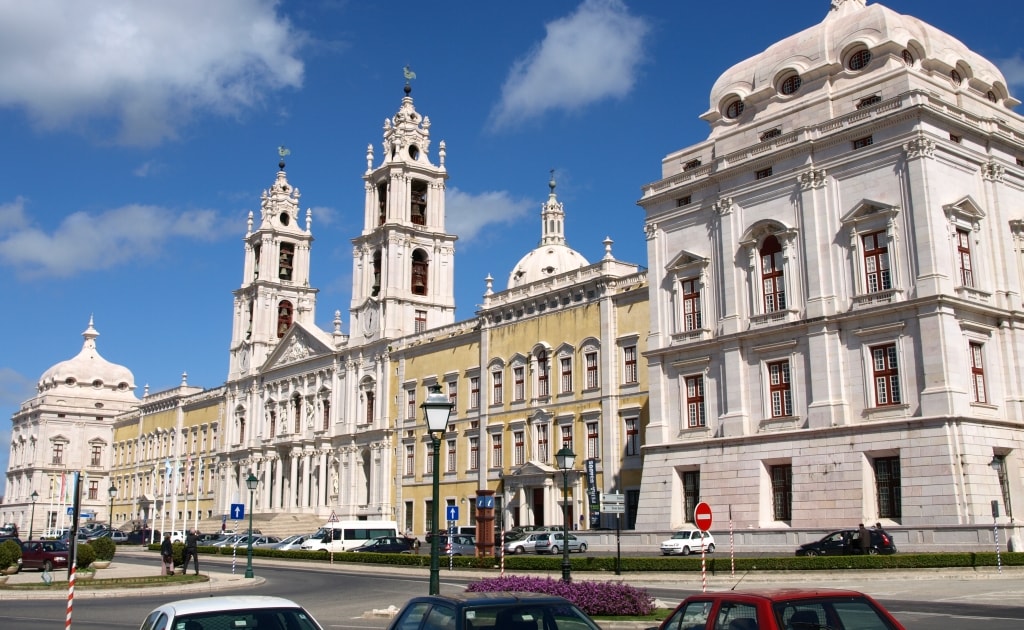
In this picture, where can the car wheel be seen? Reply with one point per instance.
(872, 551)
(583, 547)
(47, 566)
(711, 548)
(686, 551)
(519, 550)
(554, 549)
(811, 553)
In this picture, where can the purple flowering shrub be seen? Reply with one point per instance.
(594, 598)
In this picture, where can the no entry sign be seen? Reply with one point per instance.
(702, 516)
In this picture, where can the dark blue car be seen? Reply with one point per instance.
(492, 611)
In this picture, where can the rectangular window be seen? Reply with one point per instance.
(876, 262)
(590, 359)
(695, 402)
(420, 323)
(887, 479)
(453, 395)
(410, 459)
(369, 407)
(782, 492)
(683, 201)
(496, 387)
(543, 389)
(58, 454)
(519, 454)
(886, 373)
(519, 383)
(963, 253)
(763, 173)
(542, 442)
(97, 455)
(593, 442)
(410, 404)
(451, 456)
(999, 463)
(978, 374)
(94, 490)
(408, 516)
(629, 367)
(955, 138)
(497, 458)
(474, 392)
(430, 458)
(860, 143)
(566, 370)
(772, 276)
(632, 436)
(567, 437)
(781, 394)
(327, 419)
(691, 305)
(867, 101)
(429, 518)
(474, 453)
(691, 493)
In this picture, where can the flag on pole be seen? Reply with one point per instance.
(199, 480)
(63, 486)
(188, 474)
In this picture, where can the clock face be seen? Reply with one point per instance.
(370, 320)
(243, 358)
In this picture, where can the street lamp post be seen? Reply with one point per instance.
(111, 492)
(437, 408)
(250, 482)
(565, 458)
(32, 519)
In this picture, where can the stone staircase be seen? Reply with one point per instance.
(282, 525)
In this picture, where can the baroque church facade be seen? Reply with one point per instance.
(829, 332)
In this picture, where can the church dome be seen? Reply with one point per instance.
(552, 256)
(844, 43)
(88, 370)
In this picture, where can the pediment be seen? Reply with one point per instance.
(298, 344)
(867, 210)
(534, 468)
(966, 208)
(685, 261)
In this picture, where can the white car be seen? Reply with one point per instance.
(688, 541)
(177, 536)
(231, 611)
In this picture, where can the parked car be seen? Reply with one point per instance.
(292, 542)
(526, 544)
(845, 542)
(507, 611)
(257, 541)
(231, 611)
(228, 541)
(780, 609)
(45, 555)
(554, 542)
(144, 537)
(385, 544)
(458, 545)
(9, 530)
(118, 537)
(688, 541)
(177, 535)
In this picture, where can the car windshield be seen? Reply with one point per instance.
(681, 535)
(540, 617)
(845, 612)
(291, 618)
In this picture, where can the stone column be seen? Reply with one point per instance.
(278, 482)
(293, 479)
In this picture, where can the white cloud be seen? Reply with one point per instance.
(1013, 70)
(12, 215)
(468, 214)
(590, 55)
(85, 242)
(146, 67)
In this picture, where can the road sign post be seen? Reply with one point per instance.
(702, 517)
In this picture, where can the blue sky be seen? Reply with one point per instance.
(138, 136)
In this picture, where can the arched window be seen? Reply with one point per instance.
(859, 60)
(284, 317)
(772, 280)
(734, 109)
(285, 260)
(418, 203)
(382, 202)
(791, 84)
(419, 272)
(375, 289)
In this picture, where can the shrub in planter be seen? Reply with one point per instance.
(594, 598)
(10, 553)
(85, 555)
(104, 548)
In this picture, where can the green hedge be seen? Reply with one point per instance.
(633, 564)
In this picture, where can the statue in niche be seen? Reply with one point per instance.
(334, 483)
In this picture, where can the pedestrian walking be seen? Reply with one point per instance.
(865, 539)
(166, 556)
(191, 551)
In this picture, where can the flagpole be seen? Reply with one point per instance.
(163, 505)
(199, 489)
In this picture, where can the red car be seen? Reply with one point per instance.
(781, 609)
(46, 555)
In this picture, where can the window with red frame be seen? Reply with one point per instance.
(497, 457)
(496, 397)
(772, 280)
(590, 359)
(410, 404)
(97, 455)
(474, 453)
(451, 456)
(542, 442)
(876, 262)
(632, 436)
(518, 383)
(519, 452)
(691, 305)
(593, 441)
(543, 369)
(567, 437)
(886, 373)
(781, 394)
(963, 253)
(370, 400)
(430, 457)
(474, 392)
(410, 459)
(978, 374)
(695, 416)
(420, 321)
(629, 358)
(566, 368)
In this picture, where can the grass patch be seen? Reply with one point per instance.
(92, 584)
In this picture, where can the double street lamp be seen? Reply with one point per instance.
(437, 408)
(565, 459)
(250, 482)
(32, 519)
(111, 492)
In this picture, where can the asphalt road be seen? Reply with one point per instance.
(339, 598)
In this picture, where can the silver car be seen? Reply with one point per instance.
(292, 542)
(526, 544)
(458, 545)
(554, 542)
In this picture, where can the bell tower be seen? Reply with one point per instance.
(275, 289)
(403, 273)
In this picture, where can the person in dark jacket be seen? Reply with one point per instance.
(166, 556)
(191, 551)
(865, 539)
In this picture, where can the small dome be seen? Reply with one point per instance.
(553, 256)
(88, 370)
(850, 25)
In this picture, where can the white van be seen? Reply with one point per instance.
(345, 535)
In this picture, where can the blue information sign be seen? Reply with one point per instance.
(485, 502)
(452, 512)
(237, 511)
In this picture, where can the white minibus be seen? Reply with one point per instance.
(345, 535)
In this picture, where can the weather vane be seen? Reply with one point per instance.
(409, 74)
(282, 151)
